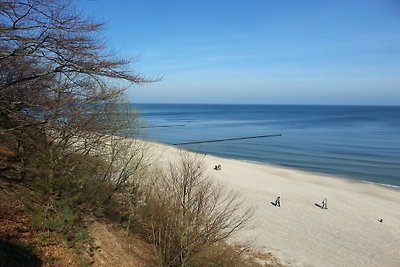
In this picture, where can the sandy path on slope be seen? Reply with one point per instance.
(301, 234)
(115, 248)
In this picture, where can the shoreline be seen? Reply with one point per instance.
(349, 179)
(299, 233)
(331, 175)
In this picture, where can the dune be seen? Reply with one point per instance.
(299, 232)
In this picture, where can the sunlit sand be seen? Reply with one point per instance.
(301, 233)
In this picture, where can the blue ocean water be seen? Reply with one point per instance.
(358, 142)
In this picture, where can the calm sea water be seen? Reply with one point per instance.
(358, 142)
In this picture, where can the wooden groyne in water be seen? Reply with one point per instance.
(164, 126)
(226, 139)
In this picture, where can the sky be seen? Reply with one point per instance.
(257, 51)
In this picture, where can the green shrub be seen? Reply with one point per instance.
(50, 259)
(46, 240)
(27, 247)
(81, 236)
(63, 221)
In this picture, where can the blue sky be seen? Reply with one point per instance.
(258, 51)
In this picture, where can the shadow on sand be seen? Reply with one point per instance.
(276, 204)
(319, 206)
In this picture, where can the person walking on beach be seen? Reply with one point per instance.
(325, 203)
(278, 201)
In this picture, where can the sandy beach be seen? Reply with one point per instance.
(300, 233)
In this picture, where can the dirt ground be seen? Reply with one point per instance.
(114, 247)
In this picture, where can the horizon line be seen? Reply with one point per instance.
(263, 104)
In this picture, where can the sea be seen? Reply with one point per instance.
(355, 142)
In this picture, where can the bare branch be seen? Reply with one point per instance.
(189, 213)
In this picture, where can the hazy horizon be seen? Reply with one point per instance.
(266, 104)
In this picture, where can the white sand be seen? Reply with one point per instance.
(301, 234)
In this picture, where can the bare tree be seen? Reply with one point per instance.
(122, 163)
(187, 212)
(53, 58)
(58, 80)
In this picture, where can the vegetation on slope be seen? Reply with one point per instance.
(62, 168)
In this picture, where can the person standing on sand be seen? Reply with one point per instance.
(325, 203)
(278, 201)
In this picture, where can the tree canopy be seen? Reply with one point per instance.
(54, 66)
